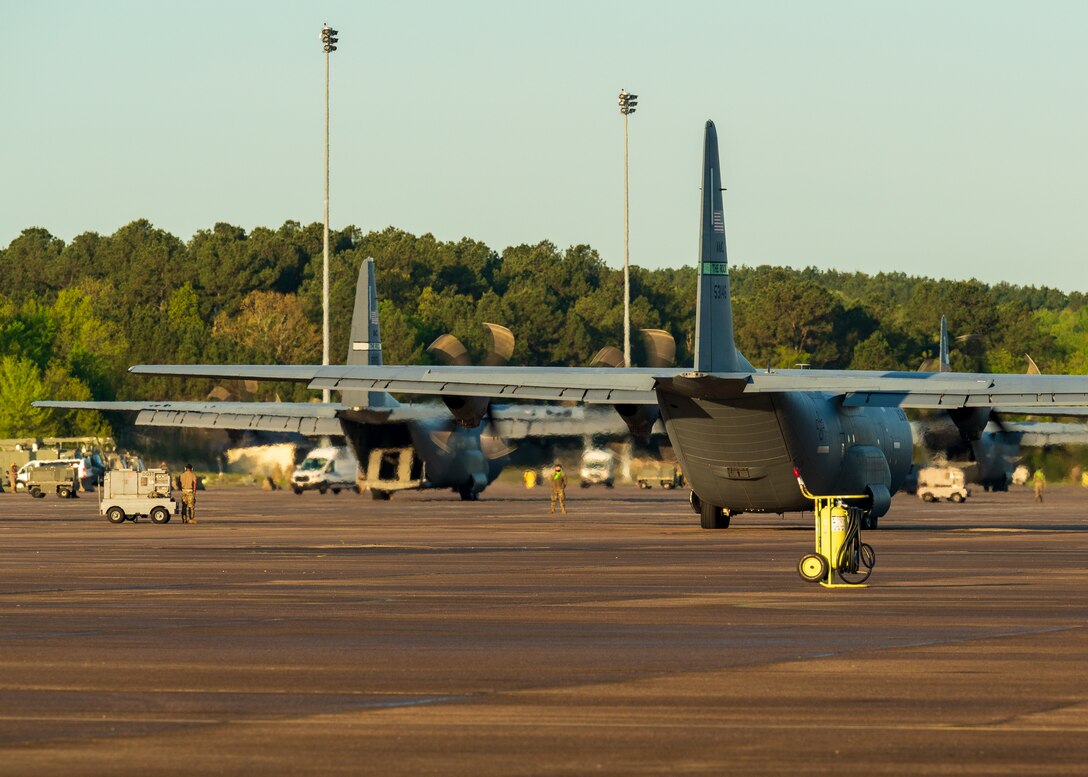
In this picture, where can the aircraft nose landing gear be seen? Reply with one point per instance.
(839, 549)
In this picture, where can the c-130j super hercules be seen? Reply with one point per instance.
(746, 438)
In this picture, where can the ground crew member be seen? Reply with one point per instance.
(1039, 482)
(559, 489)
(188, 495)
(14, 475)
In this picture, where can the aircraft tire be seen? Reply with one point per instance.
(695, 502)
(712, 517)
(297, 490)
(468, 494)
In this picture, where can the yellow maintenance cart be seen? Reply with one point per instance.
(839, 549)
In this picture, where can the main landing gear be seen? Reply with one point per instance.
(710, 516)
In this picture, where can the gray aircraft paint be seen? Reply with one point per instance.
(365, 343)
(740, 454)
(714, 348)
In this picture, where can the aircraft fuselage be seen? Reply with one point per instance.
(740, 453)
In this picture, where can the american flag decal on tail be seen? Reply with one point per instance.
(719, 222)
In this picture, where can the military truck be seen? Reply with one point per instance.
(128, 494)
(660, 473)
(59, 479)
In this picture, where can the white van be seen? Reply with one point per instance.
(326, 469)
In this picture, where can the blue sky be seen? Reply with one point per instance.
(938, 138)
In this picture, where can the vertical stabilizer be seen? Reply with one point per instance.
(365, 342)
(714, 347)
(946, 366)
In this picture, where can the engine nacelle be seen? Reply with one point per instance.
(881, 499)
(467, 411)
(971, 421)
(640, 419)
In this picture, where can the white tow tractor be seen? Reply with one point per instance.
(936, 483)
(128, 494)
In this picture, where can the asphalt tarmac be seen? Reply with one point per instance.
(289, 634)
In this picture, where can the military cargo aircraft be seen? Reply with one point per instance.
(745, 437)
(989, 452)
(398, 446)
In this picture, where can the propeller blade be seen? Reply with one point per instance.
(660, 348)
(609, 356)
(502, 345)
(220, 394)
(495, 447)
(1033, 368)
(449, 350)
(441, 438)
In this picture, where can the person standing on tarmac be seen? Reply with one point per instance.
(188, 494)
(1039, 482)
(14, 472)
(559, 489)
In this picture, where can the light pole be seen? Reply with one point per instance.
(627, 107)
(328, 41)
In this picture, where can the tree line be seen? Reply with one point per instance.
(74, 316)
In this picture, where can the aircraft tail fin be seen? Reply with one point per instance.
(365, 341)
(945, 364)
(715, 350)
(941, 363)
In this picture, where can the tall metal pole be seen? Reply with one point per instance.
(626, 258)
(328, 39)
(627, 107)
(325, 241)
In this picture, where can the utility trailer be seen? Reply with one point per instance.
(128, 494)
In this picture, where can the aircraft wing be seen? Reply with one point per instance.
(940, 390)
(308, 418)
(515, 422)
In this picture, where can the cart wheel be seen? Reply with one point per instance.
(37, 493)
(159, 515)
(63, 493)
(336, 490)
(115, 515)
(812, 567)
(957, 498)
(297, 490)
(322, 490)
